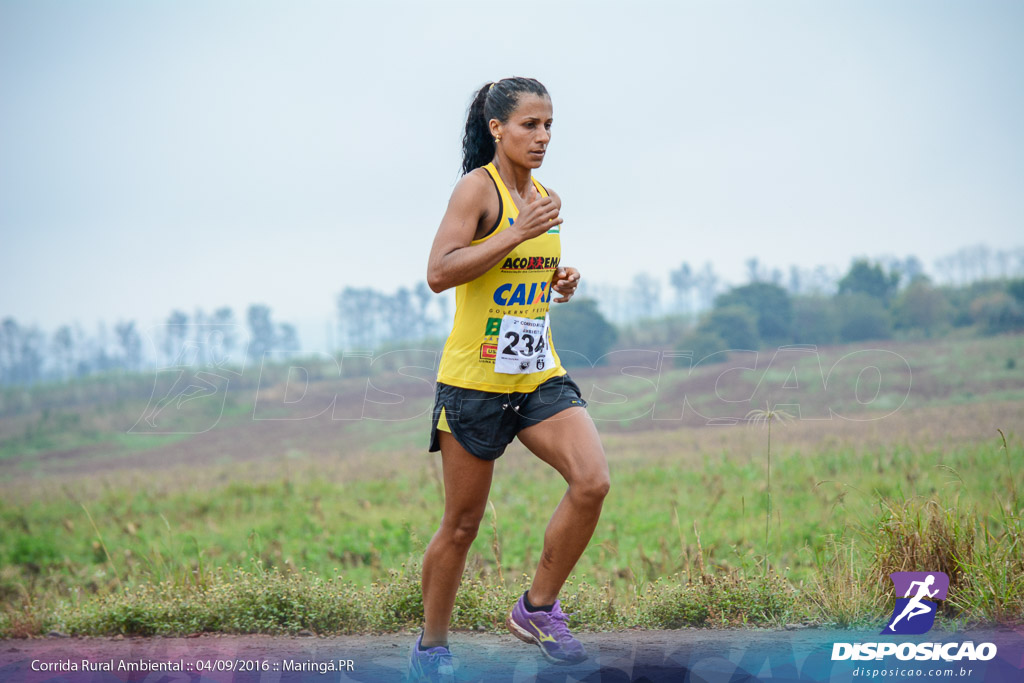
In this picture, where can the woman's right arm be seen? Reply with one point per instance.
(454, 260)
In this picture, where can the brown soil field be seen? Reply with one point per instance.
(256, 450)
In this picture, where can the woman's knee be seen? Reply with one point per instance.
(461, 530)
(591, 488)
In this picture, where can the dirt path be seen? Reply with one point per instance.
(694, 655)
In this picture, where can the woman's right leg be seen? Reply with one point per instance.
(467, 482)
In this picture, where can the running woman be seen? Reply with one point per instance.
(500, 377)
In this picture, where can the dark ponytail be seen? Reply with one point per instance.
(477, 143)
(493, 101)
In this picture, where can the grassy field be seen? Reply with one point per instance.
(242, 522)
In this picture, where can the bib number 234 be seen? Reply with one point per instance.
(522, 346)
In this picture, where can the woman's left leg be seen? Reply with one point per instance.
(569, 442)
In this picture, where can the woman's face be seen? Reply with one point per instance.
(526, 134)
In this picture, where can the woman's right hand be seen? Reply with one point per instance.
(537, 218)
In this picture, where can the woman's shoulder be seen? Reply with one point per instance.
(478, 176)
(473, 185)
(475, 198)
(476, 189)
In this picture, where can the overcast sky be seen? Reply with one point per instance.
(161, 155)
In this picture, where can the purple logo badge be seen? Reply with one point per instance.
(914, 612)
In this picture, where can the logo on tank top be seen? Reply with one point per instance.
(521, 294)
(531, 263)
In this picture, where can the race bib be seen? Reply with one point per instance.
(522, 346)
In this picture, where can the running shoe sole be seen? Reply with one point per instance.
(527, 637)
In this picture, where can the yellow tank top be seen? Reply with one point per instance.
(518, 285)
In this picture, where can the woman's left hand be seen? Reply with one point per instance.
(564, 282)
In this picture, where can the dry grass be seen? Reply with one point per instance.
(842, 591)
(917, 536)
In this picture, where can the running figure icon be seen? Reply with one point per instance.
(916, 606)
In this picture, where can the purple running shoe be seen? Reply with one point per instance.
(435, 664)
(547, 630)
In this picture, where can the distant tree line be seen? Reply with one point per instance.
(870, 303)
(28, 355)
(874, 299)
(368, 318)
(691, 289)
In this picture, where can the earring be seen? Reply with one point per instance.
(497, 139)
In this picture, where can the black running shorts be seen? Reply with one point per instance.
(485, 422)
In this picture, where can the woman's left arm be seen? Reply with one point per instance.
(564, 281)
